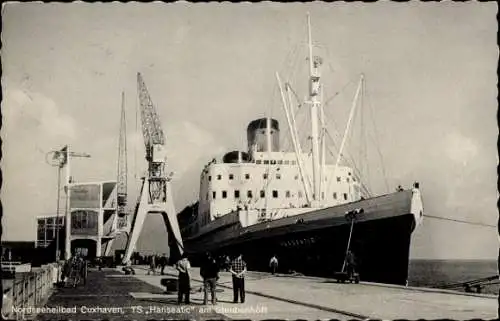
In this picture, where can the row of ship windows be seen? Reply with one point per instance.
(278, 176)
(263, 194)
(274, 162)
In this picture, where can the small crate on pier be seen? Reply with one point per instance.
(170, 284)
(342, 277)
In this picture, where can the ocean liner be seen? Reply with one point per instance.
(297, 206)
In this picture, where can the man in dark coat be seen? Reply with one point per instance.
(350, 263)
(163, 263)
(183, 267)
(209, 271)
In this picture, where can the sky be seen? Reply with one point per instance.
(430, 72)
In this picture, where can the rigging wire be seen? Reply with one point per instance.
(330, 99)
(460, 221)
(287, 65)
(349, 158)
(377, 145)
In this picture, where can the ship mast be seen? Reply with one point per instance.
(268, 170)
(314, 88)
(322, 175)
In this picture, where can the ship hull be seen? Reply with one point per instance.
(382, 256)
(315, 243)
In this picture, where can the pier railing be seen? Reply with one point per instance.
(29, 290)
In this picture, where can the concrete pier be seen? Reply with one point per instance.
(320, 298)
(111, 295)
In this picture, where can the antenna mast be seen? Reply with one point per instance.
(314, 90)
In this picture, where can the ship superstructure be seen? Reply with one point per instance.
(268, 181)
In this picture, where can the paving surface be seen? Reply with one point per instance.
(319, 298)
(256, 307)
(106, 296)
(111, 295)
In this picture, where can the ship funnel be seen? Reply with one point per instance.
(257, 135)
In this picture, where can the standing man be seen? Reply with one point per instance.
(273, 264)
(152, 265)
(209, 271)
(163, 263)
(227, 263)
(350, 263)
(238, 269)
(184, 286)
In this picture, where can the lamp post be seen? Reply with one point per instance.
(350, 216)
(60, 159)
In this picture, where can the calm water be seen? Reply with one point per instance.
(436, 273)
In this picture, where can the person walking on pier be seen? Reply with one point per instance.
(209, 271)
(273, 264)
(238, 269)
(152, 265)
(184, 286)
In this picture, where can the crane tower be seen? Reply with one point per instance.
(156, 192)
(122, 172)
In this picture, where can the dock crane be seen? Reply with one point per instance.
(121, 221)
(156, 192)
(122, 172)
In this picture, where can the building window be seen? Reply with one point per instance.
(258, 161)
(231, 176)
(247, 176)
(266, 162)
(280, 162)
(278, 176)
(264, 176)
(347, 179)
(286, 162)
(335, 196)
(209, 178)
(300, 194)
(275, 194)
(296, 177)
(262, 194)
(287, 194)
(249, 194)
(273, 162)
(236, 194)
(219, 177)
(213, 195)
(322, 195)
(345, 196)
(224, 194)
(338, 179)
(294, 162)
